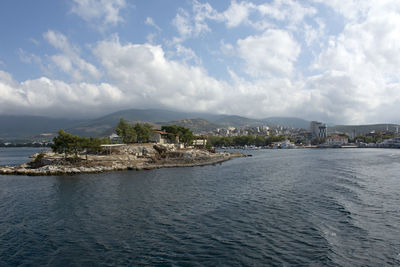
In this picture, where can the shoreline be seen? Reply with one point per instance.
(129, 157)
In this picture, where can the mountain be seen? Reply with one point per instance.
(105, 125)
(196, 125)
(26, 126)
(12, 126)
(362, 129)
(236, 121)
(288, 122)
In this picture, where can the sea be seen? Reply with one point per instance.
(299, 207)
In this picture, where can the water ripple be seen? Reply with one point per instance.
(278, 208)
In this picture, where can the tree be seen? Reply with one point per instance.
(66, 143)
(63, 143)
(184, 135)
(143, 132)
(126, 132)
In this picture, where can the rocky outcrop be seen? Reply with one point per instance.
(127, 157)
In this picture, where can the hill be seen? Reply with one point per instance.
(362, 129)
(13, 126)
(236, 121)
(196, 125)
(288, 122)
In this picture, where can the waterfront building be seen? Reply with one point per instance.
(318, 129)
(337, 140)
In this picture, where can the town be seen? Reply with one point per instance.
(318, 135)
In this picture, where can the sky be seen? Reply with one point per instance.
(335, 61)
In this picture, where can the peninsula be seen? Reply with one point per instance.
(119, 157)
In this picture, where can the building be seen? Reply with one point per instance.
(159, 137)
(390, 143)
(199, 142)
(115, 138)
(318, 129)
(337, 140)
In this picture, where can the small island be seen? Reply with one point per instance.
(143, 149)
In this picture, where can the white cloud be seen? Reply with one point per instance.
(367, 56)
(144, 73)
(70, 61)
(272, 53)
(149, 21)
(191, 24)
(187, 55)
(354, 75)
(34, 41)
(227, 49)
(28, 58)
(237, 13)
(107, 12)
(56, 98)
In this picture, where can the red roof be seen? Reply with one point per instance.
(160, 132)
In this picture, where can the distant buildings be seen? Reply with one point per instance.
(337, 140)
(318, 129)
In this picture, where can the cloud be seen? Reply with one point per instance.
(367, 54)
(238, 13)
(194, 23)
(149, 21)
(272, 53)
(143, 72)
(105, 12)
(54, 98)
(283, 58)
(69, 61)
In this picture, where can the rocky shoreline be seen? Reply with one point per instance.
(127, 157)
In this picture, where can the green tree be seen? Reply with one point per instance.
(143, 132)
(63, 143)
(184, 135)
(126, 132)
(66, 143)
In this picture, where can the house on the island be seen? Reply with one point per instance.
(337, 140)
(115, 138)
(159, 137)
(200, 141)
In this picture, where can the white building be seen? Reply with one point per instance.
(337, 140)
(159, 137)
(115, 138)
(318, 129)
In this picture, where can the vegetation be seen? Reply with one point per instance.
(143, 132)
(133, 134)
(126, 132)
(244, 140)
(183, 134)
(66, 143)
(375, 138)
(38, 161)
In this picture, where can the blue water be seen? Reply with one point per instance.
(17, 155)
(278, 208)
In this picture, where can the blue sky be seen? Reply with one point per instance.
(335, 61)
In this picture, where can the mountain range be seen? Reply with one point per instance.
(14, 127)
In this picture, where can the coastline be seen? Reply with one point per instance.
(127, 157)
